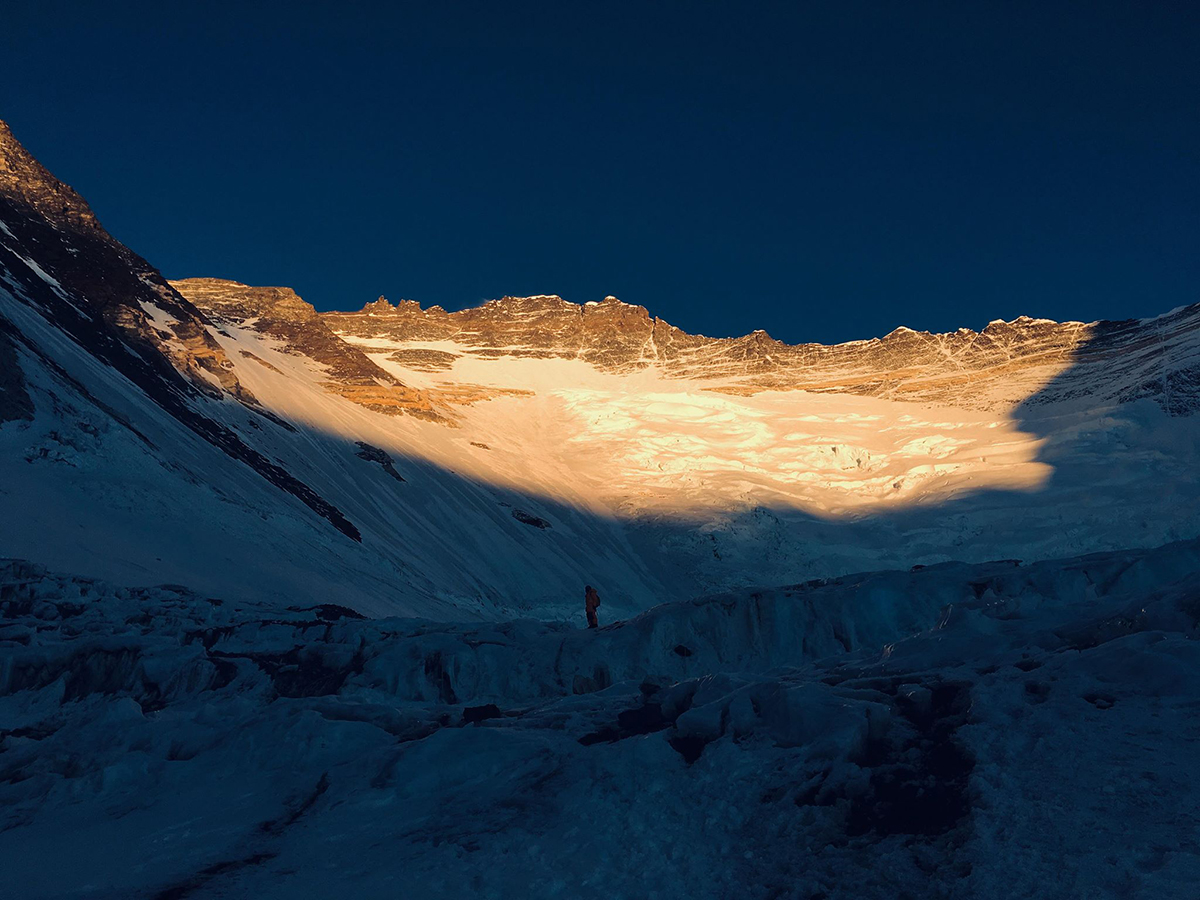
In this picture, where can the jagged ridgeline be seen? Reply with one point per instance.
(413, 460)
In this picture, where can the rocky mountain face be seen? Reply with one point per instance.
(61, 265)
(1023, 362)
(75, 255)
(281, 314)
(1157, 359)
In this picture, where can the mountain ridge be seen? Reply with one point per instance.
(384, 307)
(905, 364)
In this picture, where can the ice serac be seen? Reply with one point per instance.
(891, 734)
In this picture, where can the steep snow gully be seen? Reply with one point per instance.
(290, 602)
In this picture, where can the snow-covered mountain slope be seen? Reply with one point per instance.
(982, 731)
(722, 458)
(130, 448)
(493, 461)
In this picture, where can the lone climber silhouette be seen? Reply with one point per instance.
(592, 600)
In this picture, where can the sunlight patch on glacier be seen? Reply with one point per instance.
(642, 442)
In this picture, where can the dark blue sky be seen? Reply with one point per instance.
(823, 171)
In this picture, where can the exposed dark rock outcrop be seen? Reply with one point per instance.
(96, 291)
(378, 456)
(74, 255)
(529, 519)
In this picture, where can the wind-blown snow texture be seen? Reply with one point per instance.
(966, 729)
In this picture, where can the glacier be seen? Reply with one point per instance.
(959, 731)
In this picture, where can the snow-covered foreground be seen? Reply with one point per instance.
(989, 730)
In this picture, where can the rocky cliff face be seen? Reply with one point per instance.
(58, 265)
(26, 182)
(112, 285)
(993, 368)
(280, 313)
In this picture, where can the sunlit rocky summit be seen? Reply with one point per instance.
(293, 597)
